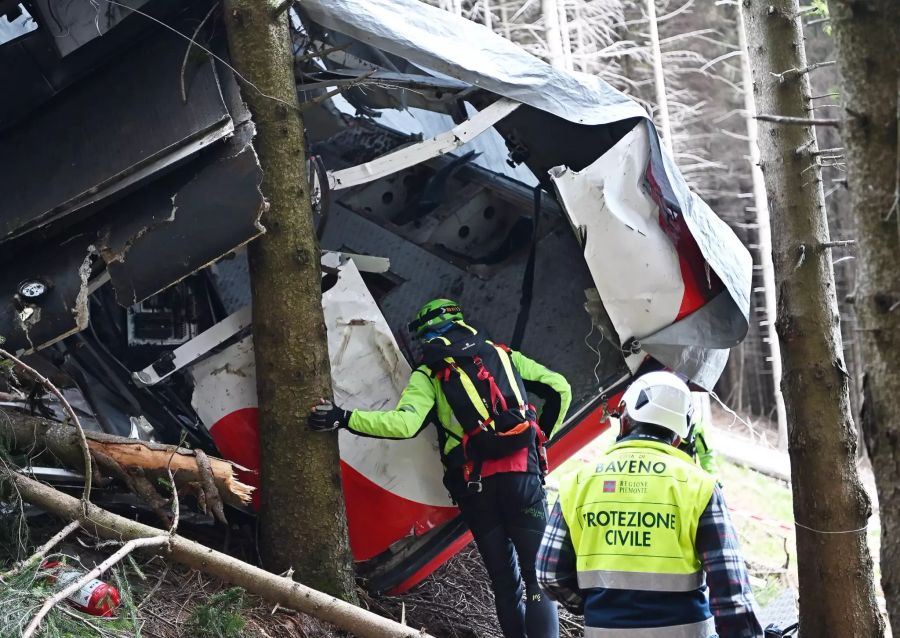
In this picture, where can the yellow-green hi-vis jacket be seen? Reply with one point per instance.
(424, 392)
(633, 521)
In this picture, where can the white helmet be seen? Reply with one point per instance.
(659, 398)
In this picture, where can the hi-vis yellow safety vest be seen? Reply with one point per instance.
(633, 521)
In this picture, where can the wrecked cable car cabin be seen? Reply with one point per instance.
(451, 164)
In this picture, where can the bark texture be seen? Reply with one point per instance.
(303, 520)
(276, 589)
(831, 508)
(33, 435)
(866, 36)
(764, 234)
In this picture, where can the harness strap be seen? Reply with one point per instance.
(495, 395)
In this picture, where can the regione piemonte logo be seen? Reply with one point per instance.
(609, 486)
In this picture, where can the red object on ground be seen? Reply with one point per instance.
(96, 597)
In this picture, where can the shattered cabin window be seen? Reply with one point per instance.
(16, 23)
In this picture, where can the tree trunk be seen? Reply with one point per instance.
(33, 435)
(767, 269)
(303, 520)
(275, 589)
(659, 80)
(550, 13)
(564, 35)
(831, 508)
(866, 36)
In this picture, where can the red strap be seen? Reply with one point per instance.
(485, 375)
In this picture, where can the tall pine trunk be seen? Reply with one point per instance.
(553, 34)
(764, 234)
(866, 36)
(303, 522)
(831, 508)
(659, 80)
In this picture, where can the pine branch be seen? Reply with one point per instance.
(67, 408)
(798, 121)
(791, 74)
(154, 541)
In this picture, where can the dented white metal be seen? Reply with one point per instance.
(417, 153)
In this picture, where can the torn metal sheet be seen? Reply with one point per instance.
(14, 26)
(175, 226)
(107, 133)
(423, 151)
(369, 372)
(45, 297)
(490, 147)
(194, 349)
(633, 262)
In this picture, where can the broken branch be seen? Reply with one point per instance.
(82, 441)
(281, 8)
(62, 594)
(795, 73)
(836, 243)
(330, 94)
(306, 57)
(207, 482)
(837, 151)
(26, 432)
(275, 589)
(42, 552)
(801, 121)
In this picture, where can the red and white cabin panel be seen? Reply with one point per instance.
(402, 478)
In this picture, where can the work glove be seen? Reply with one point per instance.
(325, 417)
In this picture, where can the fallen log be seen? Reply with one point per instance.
(33, 435)
(276, 589)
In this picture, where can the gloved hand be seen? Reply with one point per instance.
(325, 417)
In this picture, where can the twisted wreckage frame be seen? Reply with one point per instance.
(451, 164)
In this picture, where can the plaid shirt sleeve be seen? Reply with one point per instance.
(730, 597)
(556, 571)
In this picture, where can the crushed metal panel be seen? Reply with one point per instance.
(15, 27)
(184, 221)
(105, 133)
(437, 41)
(633, 263)
(62, 272)
(402, 478)
(414, 154)
(441, 43)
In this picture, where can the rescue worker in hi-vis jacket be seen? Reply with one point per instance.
(491, 443)
(631, 538)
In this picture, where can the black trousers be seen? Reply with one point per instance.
(507, 520)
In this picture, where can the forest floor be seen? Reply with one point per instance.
(162, 600)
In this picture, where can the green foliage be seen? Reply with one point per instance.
(819, 8)
(22, 595)
(220, 617)
(13, 527)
